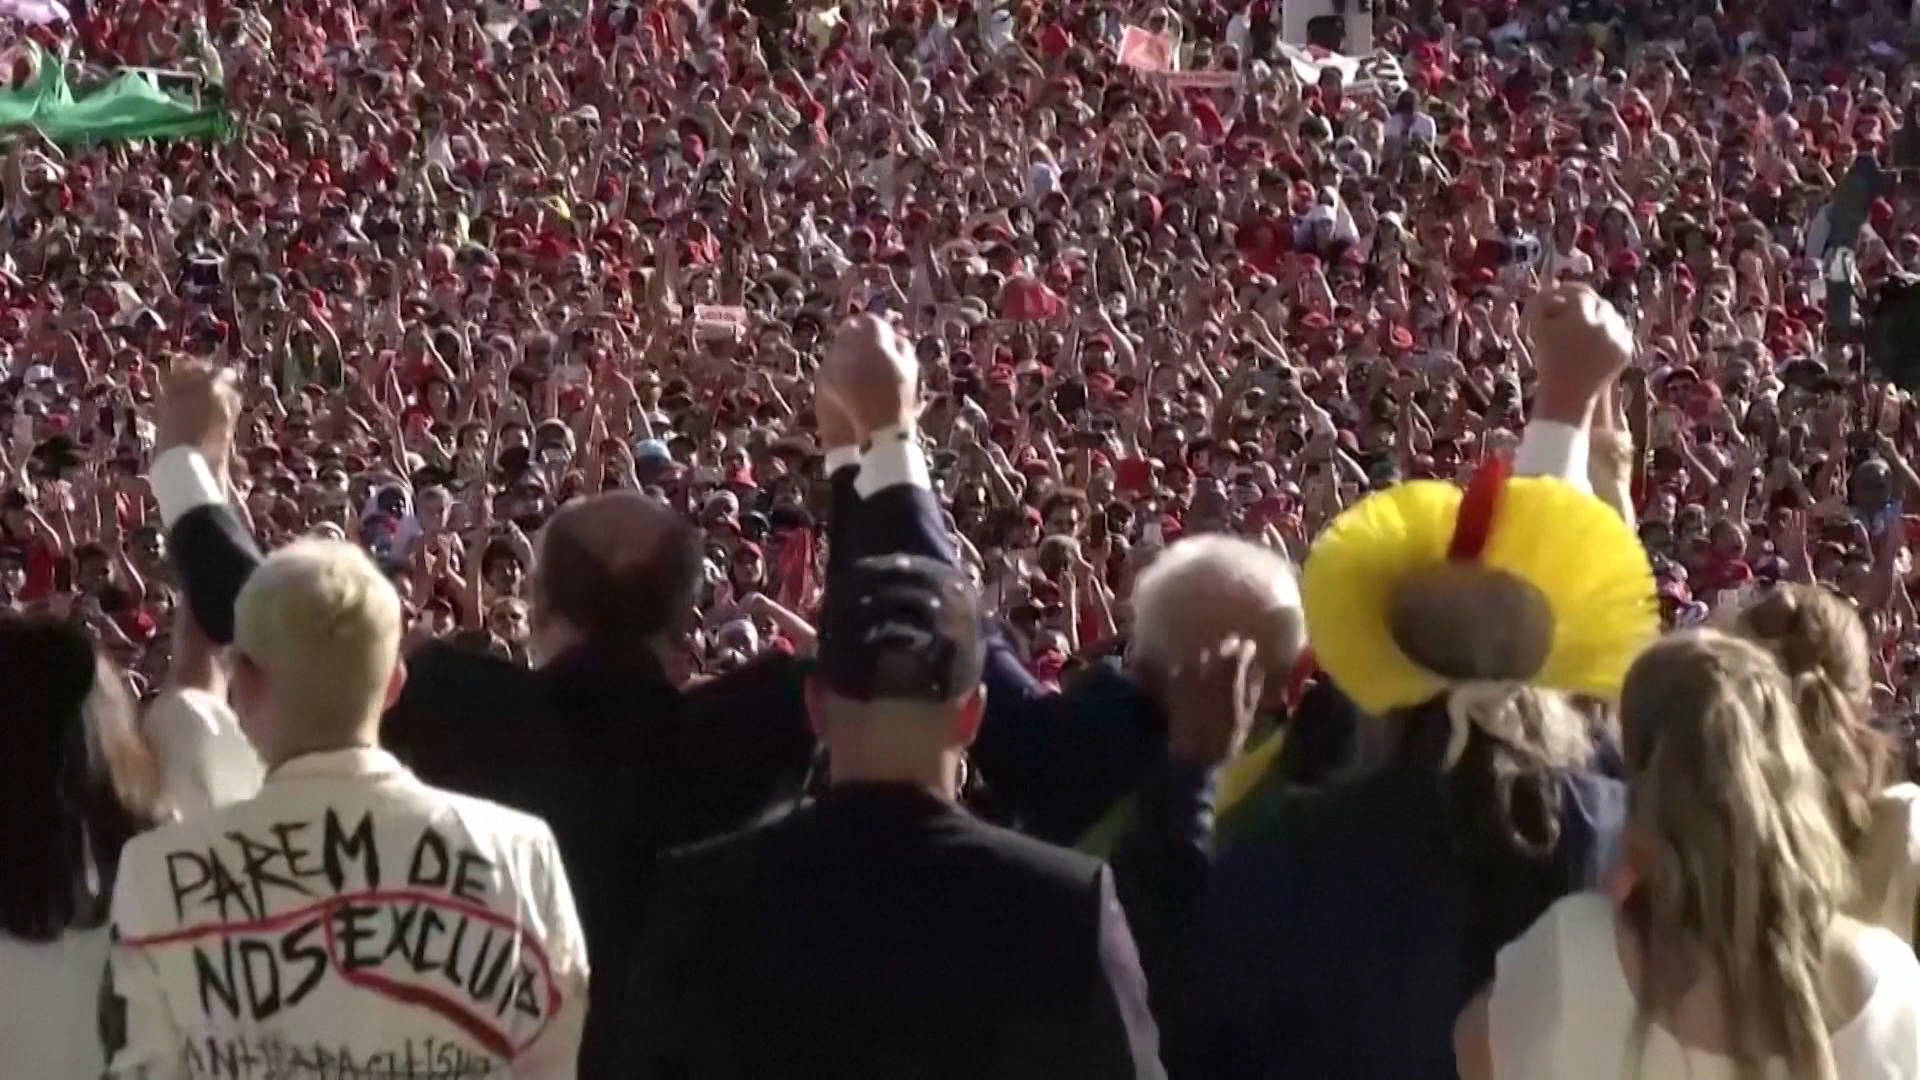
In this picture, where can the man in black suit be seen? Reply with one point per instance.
(881, 930)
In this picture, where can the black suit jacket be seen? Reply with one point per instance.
(1054, 763)
(882, 932)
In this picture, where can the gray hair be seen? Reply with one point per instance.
(1201, 576)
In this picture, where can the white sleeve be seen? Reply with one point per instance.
(1524, 1012)
(893, 457)
(206, 761)
(182, 480)
(840, 457)
(1551, 448)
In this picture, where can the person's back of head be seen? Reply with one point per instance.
(1820, 643)
(1487, 633)
(76, 782)
(316, 645)
(897, 693)
(1736, 867)
(1205, 588)
(617, 571)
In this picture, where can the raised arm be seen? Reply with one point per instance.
(212, 548)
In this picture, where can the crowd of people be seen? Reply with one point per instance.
(627, 343)
(476, 263)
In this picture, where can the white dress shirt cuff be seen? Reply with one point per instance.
(182, 480)
(893, 456)
(1551, 448)
(841, 457)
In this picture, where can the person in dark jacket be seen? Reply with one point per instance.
(881, 930)
(1341, 934)
(1054, 763)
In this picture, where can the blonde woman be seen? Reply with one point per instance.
(1821, 644)
(1723, 953)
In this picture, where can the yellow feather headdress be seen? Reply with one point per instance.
(1578, 556)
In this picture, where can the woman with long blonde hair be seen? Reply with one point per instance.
(1722, 953)
(1821, 643)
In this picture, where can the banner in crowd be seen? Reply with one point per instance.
(717, 321)
(1144, 50)
(1199, 80)
(1379, 73)
(131, 105)
(34, 12)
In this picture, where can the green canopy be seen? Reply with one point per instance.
(129, 106)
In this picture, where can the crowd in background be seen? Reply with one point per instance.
(464, 257)
(473, 262)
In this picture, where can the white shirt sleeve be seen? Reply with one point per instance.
(893, 457)
(840, 457)
(182, 480)
(1524, 1014)
(206, 761)
(1551, 448)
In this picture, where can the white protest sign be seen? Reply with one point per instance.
(714, 320)
(1144, 50)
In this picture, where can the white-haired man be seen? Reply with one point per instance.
(349, 920)
(1207, 589)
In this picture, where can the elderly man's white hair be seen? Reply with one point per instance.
(1204, 587)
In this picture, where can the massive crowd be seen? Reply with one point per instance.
(470, 263)
(477, 262)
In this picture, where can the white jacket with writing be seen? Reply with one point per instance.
(349, 921)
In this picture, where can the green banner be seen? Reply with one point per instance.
(131, 105)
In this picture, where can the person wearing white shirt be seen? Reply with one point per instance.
(1652, 977)
(75, 784)
(349, 919)
(205, 759)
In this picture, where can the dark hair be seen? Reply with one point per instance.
(617, 602)
(75, 781)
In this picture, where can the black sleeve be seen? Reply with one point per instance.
(215, 555)
(842, 537)
(903, 519)
(1118, 1038)
(1160, 864)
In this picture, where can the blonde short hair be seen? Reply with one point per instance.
(1204, 586)
(321, 621)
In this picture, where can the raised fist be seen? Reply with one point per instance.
(872, 376)
(200, 408)
(1580, 346)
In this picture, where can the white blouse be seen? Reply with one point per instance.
(49, 1006)
(1887, 869)
(1561, 1007)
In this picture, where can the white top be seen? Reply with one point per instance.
(347, 921)
(1561, 1007)
(49, 999)
(205, 759)
(1887, 869)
